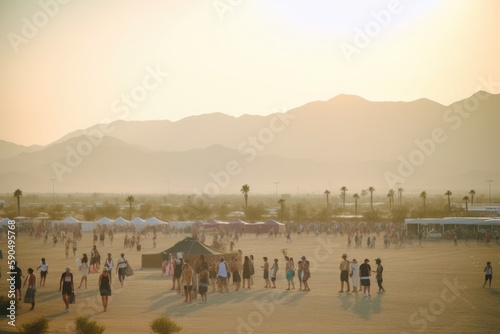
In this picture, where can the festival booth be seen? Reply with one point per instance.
(265, 227)
(239, 225)
(441, 224)
(189, 249)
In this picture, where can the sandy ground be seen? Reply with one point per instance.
(436, 288)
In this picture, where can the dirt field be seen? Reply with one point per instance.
(436, 288)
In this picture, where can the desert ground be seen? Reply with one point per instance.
(436, 288)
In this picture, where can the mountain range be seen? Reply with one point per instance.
(345, 141)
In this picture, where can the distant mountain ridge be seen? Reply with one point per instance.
(346, 140)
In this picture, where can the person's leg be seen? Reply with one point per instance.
(33, 300)
(65, 300)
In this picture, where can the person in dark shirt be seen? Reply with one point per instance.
(364, 275)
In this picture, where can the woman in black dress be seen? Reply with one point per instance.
(66, 286)
(105, 287)
(246, 272)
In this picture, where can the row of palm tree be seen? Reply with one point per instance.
(245, 189)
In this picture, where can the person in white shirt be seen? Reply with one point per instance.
(222, 275)
(109, 263)
(44, 268)
(120, 269)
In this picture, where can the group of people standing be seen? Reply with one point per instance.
(360, 275)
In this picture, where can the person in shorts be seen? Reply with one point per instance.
(222, 275)
(488, 274)
(344, 274)
(44, 268)
(364, 274)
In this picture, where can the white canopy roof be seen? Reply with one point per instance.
(121, 221)
(155, 221)
(104, 221)
(455, 221)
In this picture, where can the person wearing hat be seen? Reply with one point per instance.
(488, 274)
(105, 287)
(344, 273)
(66, 286)
(379, 278)
(31, 291)
(364, 274)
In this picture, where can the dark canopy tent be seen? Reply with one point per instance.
(190, 248)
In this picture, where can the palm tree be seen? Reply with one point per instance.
(281, 202)
(245, 189)
(371, 190)
(472, 193)
(356, 197)
(364, 192)
(327, 193)
(17, 194)
(448, 193)
(423, 195)
(466, 199)
(130, 200)
(343, 189)
(400, 194)
(390, 195)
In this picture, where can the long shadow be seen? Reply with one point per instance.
(494, 292)
(361, 305)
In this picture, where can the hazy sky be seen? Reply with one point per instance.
(77, 63)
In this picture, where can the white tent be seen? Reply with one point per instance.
(70, 220)
(138, 222)
(456, 221)
(104, 221)
(121, 221)
(155, 221)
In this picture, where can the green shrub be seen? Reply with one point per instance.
(37, 326)
(85, 326)
(5, 303)
(163, 325)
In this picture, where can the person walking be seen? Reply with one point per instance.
(44, 269)
(365, 273)
(84, 269)
(75, 246)
(488, 274)
(109, 263)
(379, 277)
(120, 268)
(31, 291)
(355, 275)
(344, 273)
(95, 260)
(105, 287)
(66, 287)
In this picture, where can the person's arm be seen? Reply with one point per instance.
(60, 282)
(99, 283)
(25, 280)
(72, 286)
